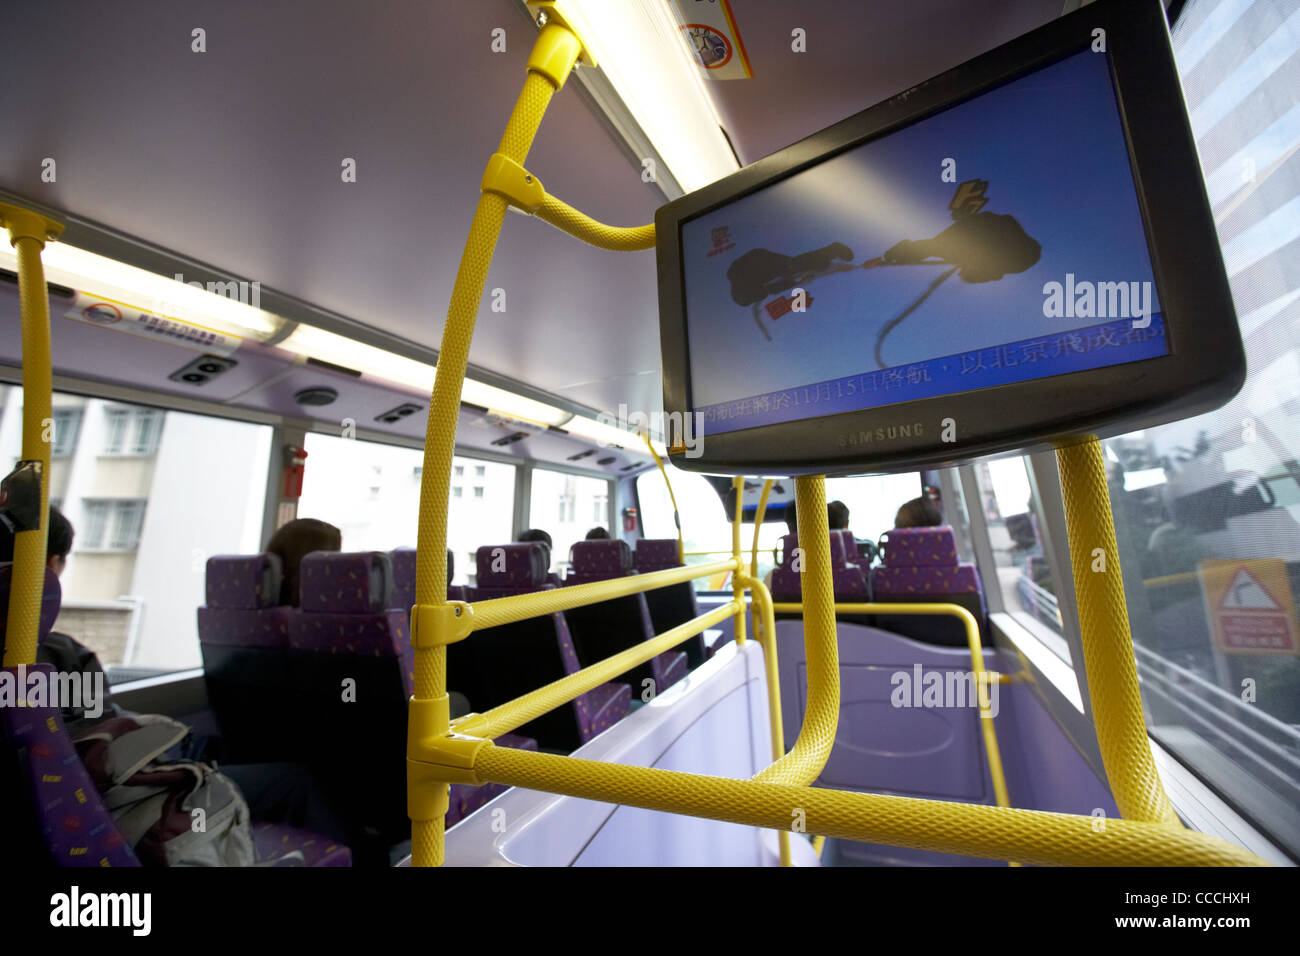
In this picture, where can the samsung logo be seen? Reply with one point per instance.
(872, 436)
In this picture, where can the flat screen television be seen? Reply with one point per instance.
(1015, 254)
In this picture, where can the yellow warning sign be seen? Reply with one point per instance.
(1249, 606)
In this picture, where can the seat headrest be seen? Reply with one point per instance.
(521, 565)
(839, 559)
(655, 554)
(243, 581)
(345, 583)
(920, 547)
(610, 558)
(51, 601)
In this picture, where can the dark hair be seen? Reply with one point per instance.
(918, 513)
(294, 541)
(57, 545)
(837, 515)
(597, 534)
(791, 518)
(535, 534)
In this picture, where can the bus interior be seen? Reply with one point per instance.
(245, 222)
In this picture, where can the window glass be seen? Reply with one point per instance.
(371, 492)
(1024, 572)
(1207, 510)
(564, 506)
(873, 500)
(150, 495)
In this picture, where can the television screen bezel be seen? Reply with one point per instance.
(1204, 368)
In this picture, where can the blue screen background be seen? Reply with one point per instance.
(1052, 149)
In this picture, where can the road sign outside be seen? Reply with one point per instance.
(1250, 607)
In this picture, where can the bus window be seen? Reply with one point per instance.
(1207, 511)
(567, 506)
(873, 500)
(369, 490)
(150, 495)
(1025, 577)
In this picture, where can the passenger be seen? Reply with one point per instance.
(66, 654)
(598, 534)
(918, 513)
(535, 534)
(294, 541)
(837, 516)
(791, 518)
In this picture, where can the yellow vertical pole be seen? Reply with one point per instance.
(28, 232)
(737, 584)
(555, 52)
(759, 515)
(1107, 641)
(677, 516)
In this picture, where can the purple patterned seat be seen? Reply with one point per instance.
(403, 562)
(499, 664)
(243, 636)
(602, 630)
(673, 605)
(289, 846)
(49, 794)
(847, 577)
(921, 565)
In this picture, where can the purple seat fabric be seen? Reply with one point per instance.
(921, 564)
(241, 611)
(51, 602)
(243, 637)
(602, 560)
(489, 678)
(403, 563)
(346, 610)
(656, 554)
(847, 578)
(919, 547)
(289, 846)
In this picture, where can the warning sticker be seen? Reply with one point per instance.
(1250, 607)
(711, 33)
(111, 314)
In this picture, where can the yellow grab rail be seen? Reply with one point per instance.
(28, 232)
(437, 756)
(677, 516)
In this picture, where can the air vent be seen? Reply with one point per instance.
(629, 467)
(581, 455)
(334, 368)
(606, 461)
(395, 415)
(318, 395)
(509, 439)
(202, 370)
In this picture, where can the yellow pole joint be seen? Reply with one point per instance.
(559, 46)
(513, 183)
(437, 625)
(26, 224)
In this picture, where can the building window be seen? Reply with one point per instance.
(478, 491)
(67, 425)
(132, 431)
(111, 525)
(480, 471)
(460, 471)
(599, 504)
(456, 491)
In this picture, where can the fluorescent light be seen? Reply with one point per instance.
(325, 346)
(149, 292)
(605, 435)
(641, 50)
(1145, 478)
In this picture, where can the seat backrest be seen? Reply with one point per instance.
(672, 605)
(599, 561)
(516, 568)
(243, 637)
(656, 554)
(847, 577)
(350, 656)
(921, 565)
(46, 795)
(403, 562)
(602, 630)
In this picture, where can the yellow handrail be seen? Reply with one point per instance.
(738, 589)
(28, 232)
(677, 517)
(437, 756)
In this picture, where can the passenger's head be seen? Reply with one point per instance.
(837, 515)
(57, 544)
(597, 534)
(791, 518)
(535, 534)
(918, 513)
(296, 540)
